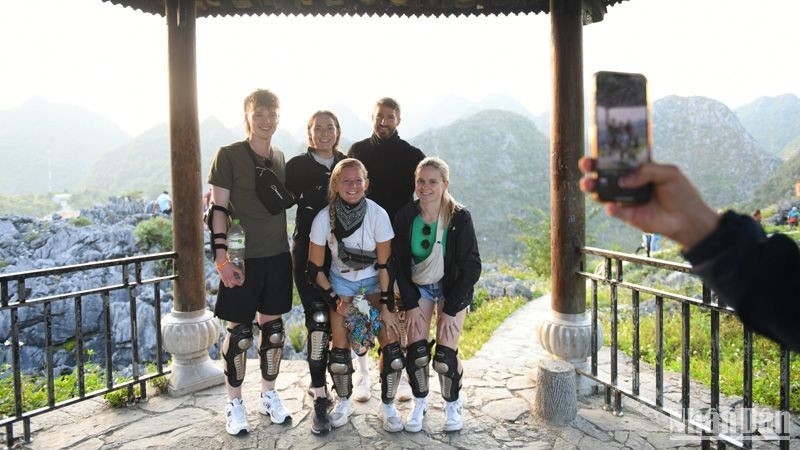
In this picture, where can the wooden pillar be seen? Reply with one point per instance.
(185, 157)
(190, 329)
(567, 229)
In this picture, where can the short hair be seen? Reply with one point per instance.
(389, 103)
(260, 98)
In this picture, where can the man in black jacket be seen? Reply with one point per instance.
(390, 163)
(756, 275)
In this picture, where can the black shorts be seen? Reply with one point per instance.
(267, 289)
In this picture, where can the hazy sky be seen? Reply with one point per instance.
(113, 60)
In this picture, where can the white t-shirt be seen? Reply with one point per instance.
(376, 227)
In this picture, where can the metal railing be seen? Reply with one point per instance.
(709, 429)
(12, 305)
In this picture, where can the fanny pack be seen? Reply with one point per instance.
(353, 258)
(269, 189)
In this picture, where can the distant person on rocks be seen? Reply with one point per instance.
(358, 234)
(307, 177)
(793, 216)
(263, 290)
(438, 264)
(756, 275)
(647, 239)
(390, 162)
(164, 203)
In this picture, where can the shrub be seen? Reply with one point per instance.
(297, 336)
(535, 235)
(154, 235)
(80, 222)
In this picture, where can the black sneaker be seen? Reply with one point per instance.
(321, 422)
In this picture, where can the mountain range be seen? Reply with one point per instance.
(499, 157)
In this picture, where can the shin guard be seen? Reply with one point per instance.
(446, 364)
(418, 355)
(270, 348)
(341, 368)
(319, 335)
(235, 356)
(391, 368)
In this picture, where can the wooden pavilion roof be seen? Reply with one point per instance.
(594, 9)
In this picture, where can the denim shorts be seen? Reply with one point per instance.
(349, 288)
(432, 292)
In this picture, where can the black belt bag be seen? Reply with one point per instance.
(269, 189)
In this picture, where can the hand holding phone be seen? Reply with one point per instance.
(620, 135)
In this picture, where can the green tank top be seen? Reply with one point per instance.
(419, 250)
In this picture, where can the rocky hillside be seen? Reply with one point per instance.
(499, 165)
(778, 188)
(773, 121)
(704, 138)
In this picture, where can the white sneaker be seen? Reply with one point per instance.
(271, 405)
(414, 420)
(341, 412)
(404, 389)
(362, 389)
(452, 413)
(391, 418)
(236, 417)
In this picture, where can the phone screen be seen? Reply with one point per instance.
(620, 133)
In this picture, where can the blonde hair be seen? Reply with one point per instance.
(335, 175)
(449, 204)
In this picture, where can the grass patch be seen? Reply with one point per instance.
(481, 323)
(65, 387)
(766, 354)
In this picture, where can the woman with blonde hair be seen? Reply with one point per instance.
(438, 264)
(358, 233)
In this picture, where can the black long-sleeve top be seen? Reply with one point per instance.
(390, 164)
(462, 261)
(756, 275)
(308, 181)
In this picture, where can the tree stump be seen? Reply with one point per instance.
(556, 400)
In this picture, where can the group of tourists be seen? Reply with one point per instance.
(358, 232)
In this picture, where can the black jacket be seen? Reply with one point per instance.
(308, 181)
(462, 262)
(390, 165)
(757, 276)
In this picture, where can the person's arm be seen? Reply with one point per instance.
(230, 275)
(757, 277)
(468, 262)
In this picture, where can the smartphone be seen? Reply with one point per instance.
(620, 134)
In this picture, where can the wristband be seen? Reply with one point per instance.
(221, 265)
(385, 298)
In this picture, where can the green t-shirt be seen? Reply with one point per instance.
(232, 169)
(418, 236)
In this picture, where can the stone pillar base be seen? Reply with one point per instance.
(568, 337)
(187, 337)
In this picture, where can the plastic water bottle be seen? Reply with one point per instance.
(236, 245)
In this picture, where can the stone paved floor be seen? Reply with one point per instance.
(497, 395)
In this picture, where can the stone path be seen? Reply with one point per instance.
(497, 396)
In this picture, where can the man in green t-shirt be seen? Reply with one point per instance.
(262, 288)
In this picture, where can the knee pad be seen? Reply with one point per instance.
(235, 356)
(391, 367)
(418, 355)
(446, 364)
(270, 348)
(341, 368)
(319, 335)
